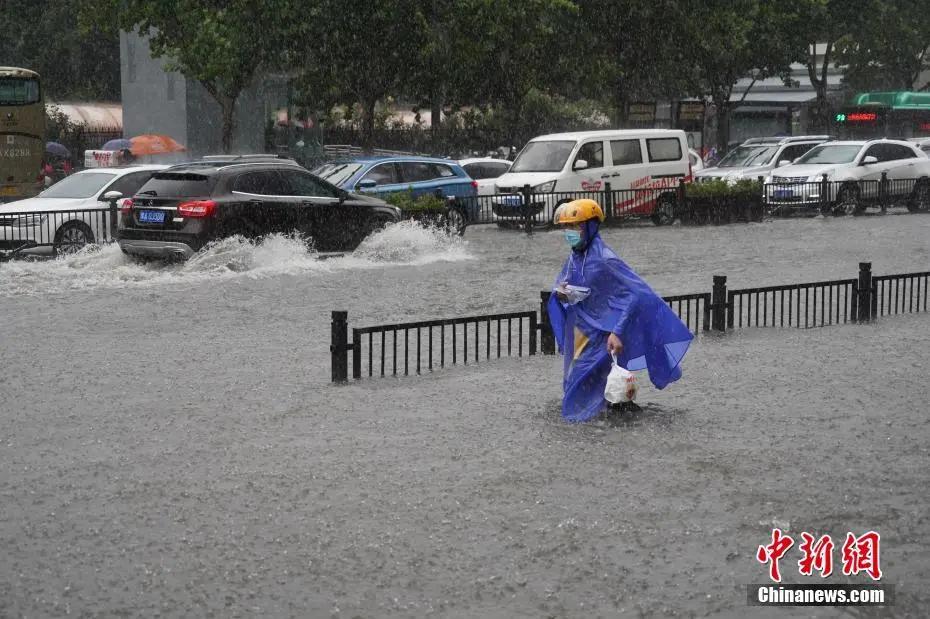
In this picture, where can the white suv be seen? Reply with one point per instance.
(758, 156)
(853, 173)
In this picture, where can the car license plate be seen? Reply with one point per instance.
(152, 217)
(9, 191)
(784, 193)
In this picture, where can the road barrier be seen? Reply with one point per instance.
(666, 200)
(63, 231)
(432, 344)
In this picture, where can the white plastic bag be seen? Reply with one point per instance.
(621, 384)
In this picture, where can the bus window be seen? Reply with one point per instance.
(18, 91)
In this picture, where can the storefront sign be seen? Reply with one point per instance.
(642, 112)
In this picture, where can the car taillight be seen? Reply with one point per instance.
(474, 184)
(126, 206)
(197, 208)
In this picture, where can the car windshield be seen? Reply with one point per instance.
(82, 185)
(545, 156)
(839, 153)
(745, 156)
(337, 173)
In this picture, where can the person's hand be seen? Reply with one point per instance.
(560, 292)
(614, 345)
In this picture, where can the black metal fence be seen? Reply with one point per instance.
(899, 294)
(414, 347)
(783, 196)
(62, 231)
(814, 304)
(667, 201)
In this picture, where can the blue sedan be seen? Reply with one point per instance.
(422, 175)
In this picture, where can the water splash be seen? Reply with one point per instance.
(402, 244)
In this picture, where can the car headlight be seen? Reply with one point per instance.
(545, 187)
(814, 178)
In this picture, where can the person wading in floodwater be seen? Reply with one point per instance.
(601, 307)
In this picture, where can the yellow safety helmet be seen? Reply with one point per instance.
(578, 211)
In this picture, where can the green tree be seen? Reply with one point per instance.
(520, 46)
(632, 50)
(351, 57)
(75, 64)
(729, 40)
(825, 23)
(220, 43)
(890, 48)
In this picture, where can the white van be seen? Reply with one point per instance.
(649, 161)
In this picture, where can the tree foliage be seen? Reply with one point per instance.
(75, 64)
(889, 47)
(219, 43)
(730, 40)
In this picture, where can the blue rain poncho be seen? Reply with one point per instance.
(620, 302)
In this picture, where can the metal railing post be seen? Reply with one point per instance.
(357, 354)
(680, 199)
(114, 221)
(527, 217)
(546, 337)
(864, 309)
(339, 347)
(608, 202)
(719, 303)
(883, 192)
(824, 195)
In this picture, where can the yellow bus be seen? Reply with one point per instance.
(22, 133)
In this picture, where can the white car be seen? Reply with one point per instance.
(758, 157)
(485, 171)
(70, 214)
(922, 143)
(853, 174)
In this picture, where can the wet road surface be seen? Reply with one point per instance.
(171, 444)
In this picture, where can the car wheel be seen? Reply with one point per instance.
(847, 201)
(455, 221)
(919, 201)
(664, 213)
(72, 238)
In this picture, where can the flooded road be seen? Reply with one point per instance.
(171, 444)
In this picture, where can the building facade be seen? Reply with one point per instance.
(159, 101)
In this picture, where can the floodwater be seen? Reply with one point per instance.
(170, 443)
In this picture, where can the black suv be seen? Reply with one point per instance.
(184, 207)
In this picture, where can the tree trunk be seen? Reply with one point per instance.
(435, 112)
(723, 124)
(229, 110)
(620, 105)
(368, 127)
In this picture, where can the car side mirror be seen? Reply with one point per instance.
(784, 162)
(111, 196)
(580, 164)
(869, 160)
(366, 184)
